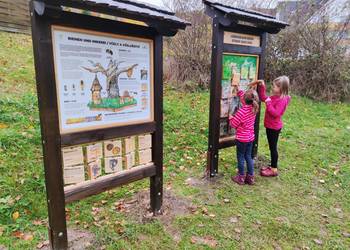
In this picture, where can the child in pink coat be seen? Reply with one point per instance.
(276, 106)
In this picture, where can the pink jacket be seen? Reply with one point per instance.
(274, 109)
(243, 121)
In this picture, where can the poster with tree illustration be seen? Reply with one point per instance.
(102, 80)
(238, 71)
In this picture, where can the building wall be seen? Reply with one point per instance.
(14, 16)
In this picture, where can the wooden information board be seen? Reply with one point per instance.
(100, 95)
(238, 56)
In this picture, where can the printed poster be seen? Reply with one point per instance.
(102, 80)
(238, 71)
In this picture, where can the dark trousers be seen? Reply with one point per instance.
(244, 154)
(272, 138)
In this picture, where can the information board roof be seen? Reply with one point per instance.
(257, 19)
(148, 13)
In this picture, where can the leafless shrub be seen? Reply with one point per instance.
(311, 52)
(188, 54)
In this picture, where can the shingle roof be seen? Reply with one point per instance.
(260, 19)
(135, 8)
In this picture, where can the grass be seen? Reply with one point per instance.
(289, 212)
(112, 103)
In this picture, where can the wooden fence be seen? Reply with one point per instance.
(14, 16)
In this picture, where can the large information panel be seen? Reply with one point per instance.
(103, 80)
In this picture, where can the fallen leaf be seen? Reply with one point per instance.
(282, 219)
(15, 216)
(1, 231)
(258, 222)
(346, 235)
(37, 222)
(212, 215)
(338, 210)
(322, 181)
(28, 237)
(277, 247)
(2, 126)
(207, 240)
(318, 242)
(18, 234)
(233, 220)
(237, 230)
(226, 200)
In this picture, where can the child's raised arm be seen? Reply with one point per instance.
(262, 90)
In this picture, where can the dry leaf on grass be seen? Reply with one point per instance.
(318, 242)
(207, 240)
(2, 126)
(23, 236)
(15, 216)
(42, 244)
(233, 219)
(346, 235)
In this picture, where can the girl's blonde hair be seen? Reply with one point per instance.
(251, 98)
(283, 83)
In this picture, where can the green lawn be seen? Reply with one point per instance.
(309, 202)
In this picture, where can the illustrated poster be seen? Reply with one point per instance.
(103, 80)
(238, 71)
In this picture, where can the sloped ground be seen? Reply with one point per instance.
(307, 207)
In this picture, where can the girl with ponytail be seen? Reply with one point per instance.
(243, 121)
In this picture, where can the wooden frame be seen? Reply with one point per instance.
(45, 16)
(109, 35)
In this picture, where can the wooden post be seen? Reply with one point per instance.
(156, 182)
(50, 134)
(261, 76)
(215, 95)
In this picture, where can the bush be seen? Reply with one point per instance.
(313, 57)
(188, 54)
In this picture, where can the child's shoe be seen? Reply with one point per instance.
(239, 179)
(264, 168)
(269, 172)
(249, 179)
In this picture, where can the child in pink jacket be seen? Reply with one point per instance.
(276, 105)
(243, 121)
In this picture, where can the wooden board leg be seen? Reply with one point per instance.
(156, 192)
(212, 163)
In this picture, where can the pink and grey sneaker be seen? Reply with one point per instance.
(239, 179)
(249, 179)
(264, 168)
(268, 172)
